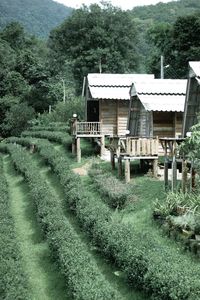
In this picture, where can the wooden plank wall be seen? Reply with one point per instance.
(122, 118)
(108, 116)
(114, 116)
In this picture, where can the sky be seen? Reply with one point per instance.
(123, 4)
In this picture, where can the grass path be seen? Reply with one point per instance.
(110, 272)
(45, 281)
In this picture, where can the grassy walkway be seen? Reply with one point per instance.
(45, 281)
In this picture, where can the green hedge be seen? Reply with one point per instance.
(83, 276)
(115, 193)
(13, 279)
(162, 271)
(55, 136)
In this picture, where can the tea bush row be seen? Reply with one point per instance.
(13, 279)
(54, 136)
(113, 191)
(79, 268)
(49, 128)
(162, 271)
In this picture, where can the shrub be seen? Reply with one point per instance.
(13, 279)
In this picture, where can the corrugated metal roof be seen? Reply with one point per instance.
(160, 87)
(163, 102)
(194, 68)
(102, 92)
(96, 79)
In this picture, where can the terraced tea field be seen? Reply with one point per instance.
(66, 236)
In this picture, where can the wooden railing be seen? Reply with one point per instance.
(135, 146)
(142, 146)
(87, 128)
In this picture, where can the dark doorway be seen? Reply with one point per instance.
(93, 111)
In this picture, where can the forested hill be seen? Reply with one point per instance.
(166, 12)
(38, 17)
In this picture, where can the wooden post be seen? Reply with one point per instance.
(127, 170)
(166, 174)
(155, 168)
(166, 168)
(174, 167)
(174, 174)
(73, 145)
(184, 175)
(112, 159)
(102, 145)
(78, 149)
(192, 175)
(120, 166)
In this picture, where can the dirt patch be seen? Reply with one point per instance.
(83, 170)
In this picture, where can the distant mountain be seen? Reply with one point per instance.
(37, 16)
(166, 12)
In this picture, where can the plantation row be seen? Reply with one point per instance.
(13, 280)
(81, 272)
(161, 271)
(54, 136)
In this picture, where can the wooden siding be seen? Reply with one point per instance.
(114, 115)
(122, 117)
(140, 120)
(108, 115)
(192, 105)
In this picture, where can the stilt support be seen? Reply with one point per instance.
(102, 145)
(155, 168)
(78, 149)
(112, 159)
(166, 174)
(174, 174)
(127, 170)
(184, 175)
(119, 166)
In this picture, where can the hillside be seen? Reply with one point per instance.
(38, 17)
(166, 12)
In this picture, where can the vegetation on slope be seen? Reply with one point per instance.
(13, 279)
(38, 17)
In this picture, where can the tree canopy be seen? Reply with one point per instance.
(96, 39)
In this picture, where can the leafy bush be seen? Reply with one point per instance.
(115, 193)
(13, 279)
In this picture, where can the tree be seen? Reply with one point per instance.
(96, 39)
(16, 119)
(179, 44)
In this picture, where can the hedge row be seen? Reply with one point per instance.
(160, 270)
(51, 127)
(54, 136)
(114, 192)
(79, 268)
(13, 280)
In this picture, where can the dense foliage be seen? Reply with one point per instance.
(13, 279)
(179, 43)
(96, 39)
(38, 17)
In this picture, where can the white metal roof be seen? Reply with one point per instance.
(96, 79)
(163, 102)
(102, 92)
(194, 68)
(160, 87)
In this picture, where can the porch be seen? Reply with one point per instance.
(134, 148)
